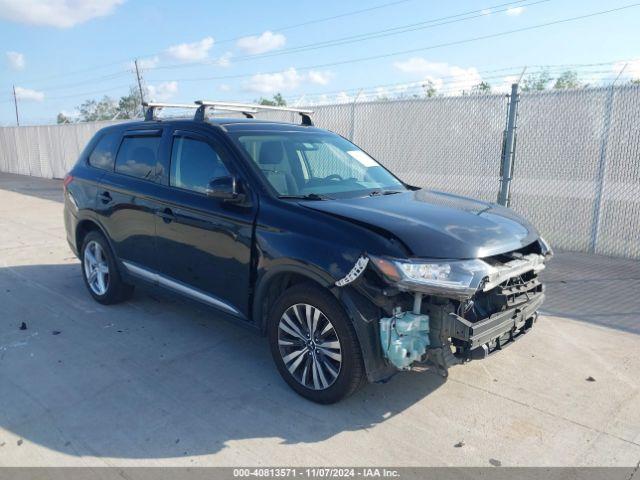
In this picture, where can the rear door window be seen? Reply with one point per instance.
(138, 156)
(104, 153)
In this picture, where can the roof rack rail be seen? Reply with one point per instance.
(152, 107)
(248, 109)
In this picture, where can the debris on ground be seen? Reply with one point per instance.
(56, 332)
(495, 463)
(590, 379)
(20, 442)
(23, 326)
(460, 444)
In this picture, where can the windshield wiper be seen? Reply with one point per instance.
(308, 196)
(376, 193)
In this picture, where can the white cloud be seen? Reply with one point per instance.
(319, 78)
(56, 13)
(163, 91)
(149, 62)
(224, 87)
(266, 42)
(452, 78)
(16, 60)
(274, 82)
(505, 85)
(286, 80)
(514, 11)
(486, 11)
(631, 71)
(191, 52)
(29, 95)
(224, 60)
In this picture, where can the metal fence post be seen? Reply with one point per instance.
(601, 172)
(508, 151)
(353, 116)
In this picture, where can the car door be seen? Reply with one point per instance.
(204, 244)
(126, 203)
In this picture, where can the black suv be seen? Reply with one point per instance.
(351, 273)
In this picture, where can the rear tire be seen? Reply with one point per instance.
(314, 345)
(100, 271)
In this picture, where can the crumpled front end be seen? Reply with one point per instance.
(442, 313)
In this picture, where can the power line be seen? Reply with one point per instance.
(382, 33)
(369, 35)
(287, 27)
(321, 20)
(420, 49)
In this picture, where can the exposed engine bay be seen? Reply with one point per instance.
(487, 305)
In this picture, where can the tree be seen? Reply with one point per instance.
(93, 110)
(536, 81)
(568, 79)
(127, 107)
(62, 118)
(482, 87)
(277, 101)
(635, 81)
(429, 89)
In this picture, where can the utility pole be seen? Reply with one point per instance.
(15, 102)
(139, 83)
(504, 197)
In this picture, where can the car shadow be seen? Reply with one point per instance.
(43, 188)
(155, 377)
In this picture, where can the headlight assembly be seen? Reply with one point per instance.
(459, 278)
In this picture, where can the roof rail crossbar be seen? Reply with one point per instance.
(249, 108)
(152, 107)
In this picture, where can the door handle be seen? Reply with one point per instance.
(105, 197)
(166, 215)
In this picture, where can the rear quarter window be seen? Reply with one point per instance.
(104, 154)
(137, 157)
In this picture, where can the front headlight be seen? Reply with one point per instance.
(458, 278)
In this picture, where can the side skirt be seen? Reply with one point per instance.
(181, 288)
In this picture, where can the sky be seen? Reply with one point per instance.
(59, 53)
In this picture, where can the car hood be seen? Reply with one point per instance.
(436, 225)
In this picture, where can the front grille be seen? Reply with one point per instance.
(511, 294)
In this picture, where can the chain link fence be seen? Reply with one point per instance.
(576, 173)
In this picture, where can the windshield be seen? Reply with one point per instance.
(316, 164)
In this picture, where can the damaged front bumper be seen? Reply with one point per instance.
(446, 327)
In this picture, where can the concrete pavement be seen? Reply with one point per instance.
(158, 381)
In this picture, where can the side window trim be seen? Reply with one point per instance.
(193, 135)
(156, 132)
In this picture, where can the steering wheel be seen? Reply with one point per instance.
(333, 176)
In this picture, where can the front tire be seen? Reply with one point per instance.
(100, 271)
(314, 345)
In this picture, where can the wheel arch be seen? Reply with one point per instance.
(87, 225)
(276, 280)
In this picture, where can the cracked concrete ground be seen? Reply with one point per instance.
(157, 381)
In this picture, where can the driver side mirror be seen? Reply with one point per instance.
(226, 189)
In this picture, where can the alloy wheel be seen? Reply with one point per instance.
(96, 268)
(309, 346)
